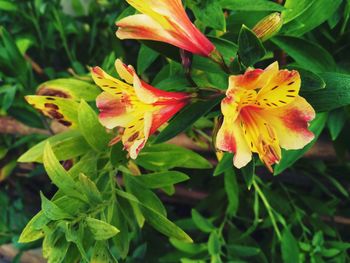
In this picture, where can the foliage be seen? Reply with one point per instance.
(104, 207)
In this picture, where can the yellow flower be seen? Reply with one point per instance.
(166, 21)
(262, 113)
(134, 106)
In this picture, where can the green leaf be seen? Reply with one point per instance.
(7, 5)
(89, 188)
(69, 88)
(225, 163)
(52, 211)
(306, 53)
(336, 121)
(11, 60)
(186, 118)
(335, 95)
(100, 229)
(189, 248)
(289, 247)
(30, 233)
(210, 13)
(295, 8)
(201, 222)
(250, 48)
(59, 175)
(310, 81)
(232, 191)
(144, 195)
(160, 157)
(89, 125)
(145, 58)
(158, 221)
(214, 244)
(312, 16)
(101, 254)
(290, 157)
(248, 5)
(244, 251)
(161, 179)
(66, 145)
(121, 241)
(248, 173)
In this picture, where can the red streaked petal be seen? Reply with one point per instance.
(231, 138)
(113, 111)
(291, 123)
(165, 113)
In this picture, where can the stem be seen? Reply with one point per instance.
(268, 208)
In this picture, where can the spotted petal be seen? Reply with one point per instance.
(291, 123)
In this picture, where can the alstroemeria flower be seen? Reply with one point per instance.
(166, 21)
(262, 113)
(134, 105)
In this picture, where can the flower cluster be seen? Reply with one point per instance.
(262, 111)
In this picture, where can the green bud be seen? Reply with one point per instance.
(268, 26)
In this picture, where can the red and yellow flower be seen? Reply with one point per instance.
(166, 21)
(262, 113)
(136, 107)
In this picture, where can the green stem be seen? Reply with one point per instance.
(268, 208)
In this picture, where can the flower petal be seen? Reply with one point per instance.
(113, 110)
(124, 71)
(291, 123)
(108, 83)
(144, 27)
(230, 138)
(280, 90)
(136, 134)
(260, 135)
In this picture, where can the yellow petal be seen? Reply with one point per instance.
(279, 90)
(109, 84)
(142, 93)
(136, 134)
(230, 138)
(291, 123)
(123, 71)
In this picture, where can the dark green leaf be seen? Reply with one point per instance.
(290, 248)
(186, 118)
(250, 48)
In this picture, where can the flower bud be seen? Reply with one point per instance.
(268, 26)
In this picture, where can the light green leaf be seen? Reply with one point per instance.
(161, 179)
(214, 244)
(59, 175)
(30, 233)
(160, 157)
(52, 211)
(89, 188)
(94, 133)
(66, 145)
(201, 222)
(158, 221)
(69, 88)
(100, 229)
